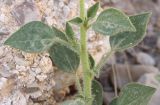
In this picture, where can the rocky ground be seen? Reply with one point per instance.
(30, 79)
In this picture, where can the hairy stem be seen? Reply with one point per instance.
(78, 85)
(115, 79)
(102, 62)
(87, 76)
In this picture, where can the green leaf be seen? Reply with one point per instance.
(91, 61)
(125, 40)
(69, 31)
(111, 22)
(92, 11)
(33, 37)
(97, 92)
(114, 102)
(64, 58)
(59, 33)
(74, 102)
(76, 21)
(134, 94)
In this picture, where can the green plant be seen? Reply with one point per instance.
(66, 51)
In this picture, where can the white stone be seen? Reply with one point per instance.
(61, 4)
(20, 61)
(66, 11)
(31, 79)
(35, 94)
(144, 58)
(20, 68)
(46, 64)
(49, 20)
(37, 70)
(41, 77)
(26, 12)
(16, 99)
(2, 17)
(1, 51)
(3, 81)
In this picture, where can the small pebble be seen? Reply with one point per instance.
(3, 81)
(41, 77)
(1, 51)
(144, 58)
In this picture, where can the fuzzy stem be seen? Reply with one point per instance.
(115, 79)
(87, 76)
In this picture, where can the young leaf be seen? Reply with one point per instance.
(74, 102)
(134, 94)
(59, 33)
(64, 58)
(97, 92)
(69, 31)
(111, 22)
(76, 21)
(33, 37)
(125, 40)
(92, 11)
(91, 61)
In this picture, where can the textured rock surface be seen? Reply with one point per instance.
(145, 59)
(30, 79)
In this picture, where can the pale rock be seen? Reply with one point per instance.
(29, 56)
(46, 64)
(136, 72)
(25, 13)
(7, 86)
(8, 2)
(33, 92)
(61, 4)
(21, 68)
(41, 77)
(36, 70)
(20, 61)
(30, 79)
(150, 79)
(114, 1)
(32, 72)
(4, 73)
(49, 20)
(1, 51)
(5, 66)
(144, 58)
(3, 81)
(66, 11)
(17, 98)
(36, 94)
(2, 18)
(50, 3)
(60, 83)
